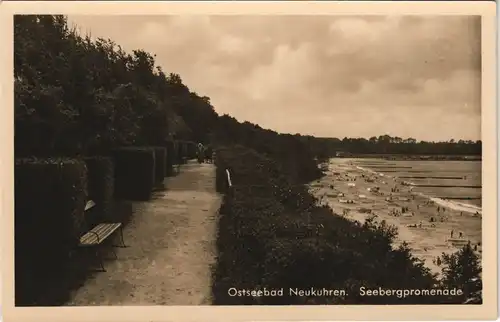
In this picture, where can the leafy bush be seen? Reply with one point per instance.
(134, 173)
(101, 180)
(50, 196)
(290, 153)
(462, 270)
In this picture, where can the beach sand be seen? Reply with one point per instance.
(427, 239)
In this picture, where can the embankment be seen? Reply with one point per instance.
(273, 234)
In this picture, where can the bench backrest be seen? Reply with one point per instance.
(90, 204)
(88, 207)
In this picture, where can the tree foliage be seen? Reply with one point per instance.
(386, 144)
(75, 95)
(462, 270)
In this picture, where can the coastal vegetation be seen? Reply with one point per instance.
(273, 234)
(79, 99)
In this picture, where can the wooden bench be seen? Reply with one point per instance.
(97, 235)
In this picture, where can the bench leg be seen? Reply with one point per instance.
(121, 238)
(98, 254)
(114, 253)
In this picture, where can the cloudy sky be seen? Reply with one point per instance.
(330, 76)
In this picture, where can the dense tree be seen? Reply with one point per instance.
(462, 270)
(75, 95)
(385, 144)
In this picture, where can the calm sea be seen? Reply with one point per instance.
(456, 181)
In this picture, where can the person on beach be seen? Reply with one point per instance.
(460, 234)
(452, 232)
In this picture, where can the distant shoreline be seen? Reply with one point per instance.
(409, 157)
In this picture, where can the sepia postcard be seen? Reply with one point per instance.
(249, 161)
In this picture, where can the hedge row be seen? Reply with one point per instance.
(50, 198)
(101, 188)
(160, 164)
(273, 235)
(191, 150)
(134, 173)
(171, 158)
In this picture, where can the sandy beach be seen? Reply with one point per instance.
(430, 226)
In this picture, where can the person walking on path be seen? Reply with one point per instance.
(208, 153)
(200, 153)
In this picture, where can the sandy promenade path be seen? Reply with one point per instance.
(171, 247)
(426, 230)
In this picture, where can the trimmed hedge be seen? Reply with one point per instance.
(178, 151)
(50, 197)
(160, 164)
(134, 173)
(191, 150)
(171, 158)
(101, 187)
(184, 151)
